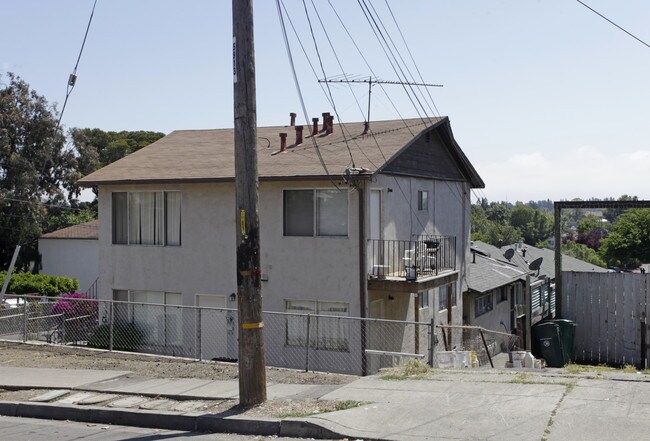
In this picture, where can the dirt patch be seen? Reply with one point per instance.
(59, 357)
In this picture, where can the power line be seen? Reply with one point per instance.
(72, 80)
(610, 21)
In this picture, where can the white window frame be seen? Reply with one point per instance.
(483, 304)
(326, 332)
(317, 226)
(161, 231)
(161, 332)
(442, 297)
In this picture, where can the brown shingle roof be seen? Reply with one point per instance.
(87, 230)
(207, 155)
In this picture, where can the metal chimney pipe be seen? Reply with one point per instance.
(293, 119)
(366, 127)
(330, 125)
(299, 135)
(326, 116)
(314, 130)
(283, 141)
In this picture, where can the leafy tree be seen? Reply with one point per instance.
(98, 148)
(59, 216)
(534, 225)
(582, 252)
(629, 240)
(499, 213)
(611, 214)
(500, 235)
(478, 221)
(34, 166)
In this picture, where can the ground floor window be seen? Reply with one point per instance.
(326, 329)
(444, 292)
(483, 304)
(423, 299)
(156, 314)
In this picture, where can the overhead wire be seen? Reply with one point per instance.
(412, 77)
(320, 61)
(73, 76)
(399, 29)
(611, 22)
(299, 90)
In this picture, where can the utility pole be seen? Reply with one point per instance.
(252, 368)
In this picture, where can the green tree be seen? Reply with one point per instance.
(500, 235)
(629, 240)
(611, 214)
(535, 225)
(34, 166)
(499, 213)
(97, 148)
(582, 252)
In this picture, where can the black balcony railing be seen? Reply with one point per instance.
(409, 259)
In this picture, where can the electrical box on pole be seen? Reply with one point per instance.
(252, 368)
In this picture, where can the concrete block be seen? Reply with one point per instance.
(306, 429)
(213, 423)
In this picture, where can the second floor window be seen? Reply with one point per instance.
(423, 200)
(315, 213)
(147, 218)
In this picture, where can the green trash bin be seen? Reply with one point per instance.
(567, 334)
(547, 343)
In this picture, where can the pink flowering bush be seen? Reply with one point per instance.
(75, 304)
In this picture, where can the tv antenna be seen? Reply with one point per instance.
(371, 82)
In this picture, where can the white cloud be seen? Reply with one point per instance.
(582, 172)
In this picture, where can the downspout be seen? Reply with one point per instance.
(363, 276)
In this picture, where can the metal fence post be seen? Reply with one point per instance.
(25, 316)
(432, 341)
(110, 326)
(199, 349)
(307, 343)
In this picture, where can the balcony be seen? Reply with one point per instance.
(411, 265)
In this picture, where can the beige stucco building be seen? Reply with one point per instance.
(358, 223)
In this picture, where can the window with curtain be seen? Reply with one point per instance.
(315, 213)
(147, 218)
(326, 330)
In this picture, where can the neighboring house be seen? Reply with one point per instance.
(379, 233)
(501, 282)
(72, 252)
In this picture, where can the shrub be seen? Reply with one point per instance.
(74, 305)
(42, 284)
(126, 337)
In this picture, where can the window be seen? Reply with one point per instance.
(443, 291)
(160, 323)
(315, 213)
(423, 200)
(327, 333)
(483, 304)
(423, 299)
(502, 294)
(147, 218)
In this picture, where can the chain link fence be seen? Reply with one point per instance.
(310, 342)
(484, 343)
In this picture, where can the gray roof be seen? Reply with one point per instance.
(485, 274)
(208, 155)
(532, 253)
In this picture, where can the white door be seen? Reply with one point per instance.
(214, 326)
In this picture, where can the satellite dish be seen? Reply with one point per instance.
(509, 253)
(536, 264)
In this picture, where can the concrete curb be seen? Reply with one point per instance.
(168, 420)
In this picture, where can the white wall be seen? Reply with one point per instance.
(78, 258)
(305, 268)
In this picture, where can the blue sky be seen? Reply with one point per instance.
(546, 99)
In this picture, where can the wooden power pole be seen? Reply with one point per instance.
(252, 369)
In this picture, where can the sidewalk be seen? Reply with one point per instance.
(490, 404)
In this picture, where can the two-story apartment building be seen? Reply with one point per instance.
(354, 221)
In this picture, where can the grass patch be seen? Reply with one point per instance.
(341, 405)
(411, 370)
(573, 368)
(547, 430)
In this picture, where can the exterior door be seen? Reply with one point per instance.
(214, 327)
